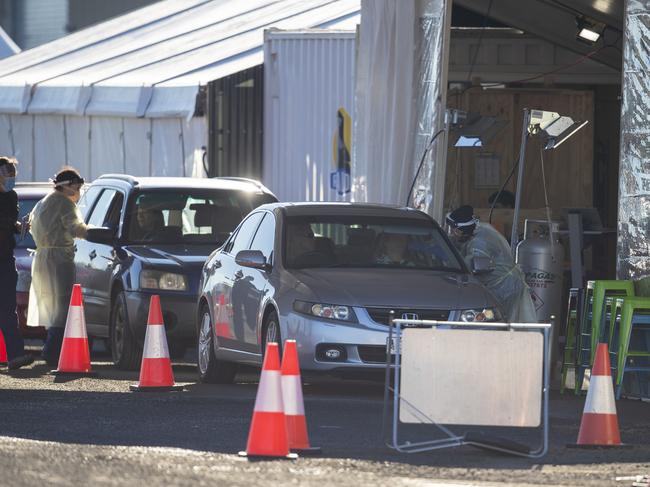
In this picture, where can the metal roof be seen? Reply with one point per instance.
(151, 62)
(346, 209)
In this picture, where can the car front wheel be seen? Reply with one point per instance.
(272, 332)
(125, 350)
(210, 369)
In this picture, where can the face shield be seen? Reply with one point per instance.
(460, 232)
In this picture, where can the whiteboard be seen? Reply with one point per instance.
(471, 377)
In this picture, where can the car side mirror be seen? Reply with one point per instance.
(101, 235)
(252, 258)
(482, 265)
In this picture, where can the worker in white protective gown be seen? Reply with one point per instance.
(505, 281)
(55, 222)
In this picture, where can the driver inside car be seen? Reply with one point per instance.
(150, 222)
(300, 240)
(392, 249)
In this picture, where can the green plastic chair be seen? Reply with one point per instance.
(592, 324)
(602, 290)
(630, 312)
(569, 356)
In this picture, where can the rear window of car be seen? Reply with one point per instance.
(367, 242)
(189, 216)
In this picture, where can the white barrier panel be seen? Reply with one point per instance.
(471, 377)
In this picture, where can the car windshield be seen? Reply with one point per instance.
(375, 242)
(189, 216)
(26, 205)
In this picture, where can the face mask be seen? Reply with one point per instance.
(9, 184)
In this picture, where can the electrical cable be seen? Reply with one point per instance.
(424, 155)
(578, 61)
(503, 186)
(548, 208)
(486, 17)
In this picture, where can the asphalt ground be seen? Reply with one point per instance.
(94, 431)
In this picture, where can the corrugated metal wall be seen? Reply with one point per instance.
(40, 21)
(309, 75)
(235, 111)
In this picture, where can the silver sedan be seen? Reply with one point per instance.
(327, 275)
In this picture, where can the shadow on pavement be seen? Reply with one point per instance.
(216, 418)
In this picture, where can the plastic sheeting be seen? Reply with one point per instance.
(634, 179)
(400, 102)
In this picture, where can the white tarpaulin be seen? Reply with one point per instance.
(121, 96)
(400, 102)
(98, 145)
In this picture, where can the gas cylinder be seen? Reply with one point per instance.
(541, 260)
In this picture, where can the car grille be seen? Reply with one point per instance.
(380, 315)
(373, 354)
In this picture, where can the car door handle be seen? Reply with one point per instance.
(216, 264)
(239, 274)
(92, 254)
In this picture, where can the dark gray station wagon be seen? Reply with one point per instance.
(153, 236)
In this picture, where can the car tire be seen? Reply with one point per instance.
(125, 350)
(272, 332)
(210, 369)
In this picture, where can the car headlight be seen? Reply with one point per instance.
(167, 281)
(480, 315)
(327, 311)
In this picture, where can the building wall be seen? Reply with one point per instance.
(34, 22)
(83, 13)
(474, 174)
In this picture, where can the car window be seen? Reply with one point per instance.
(245, 233)
(265, 237)
(186, 215)
(100, 211)
(112, 219)
(368, 242)
(25, 206)
(87, 199)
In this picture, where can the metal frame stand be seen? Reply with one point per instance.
(452, 439)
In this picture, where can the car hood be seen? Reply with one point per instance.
(395, 287)
(23, 260)
(172, 255)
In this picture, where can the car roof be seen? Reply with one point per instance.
(237, 184)
(343, 208)
(31, 190)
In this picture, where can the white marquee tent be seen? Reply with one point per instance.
(121, 96)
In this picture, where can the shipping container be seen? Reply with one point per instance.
(308, 103)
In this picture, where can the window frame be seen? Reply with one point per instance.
(229, 244)
(275, 227)
(109, 207)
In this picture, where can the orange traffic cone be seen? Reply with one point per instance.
(294, 405)
(3, 350)
(156, 368)
(75, 354)
(599, 425)
(268, 433)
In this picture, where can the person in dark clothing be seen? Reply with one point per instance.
(9, 226)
